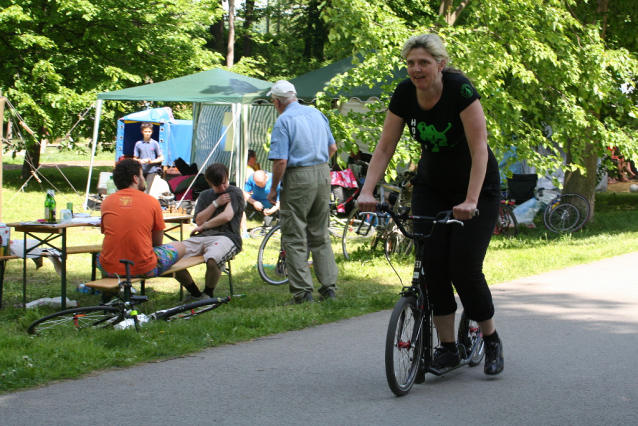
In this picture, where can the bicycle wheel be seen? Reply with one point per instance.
(76, 319)
(335, 227)
(358, 233)
(506, 223)
(566, 213)
(271, 259)
(470, 336)
(403, 346)
(259, 231)
(192, 309)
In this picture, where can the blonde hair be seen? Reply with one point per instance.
(432, 43)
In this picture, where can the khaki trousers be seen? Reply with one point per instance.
(305, 214)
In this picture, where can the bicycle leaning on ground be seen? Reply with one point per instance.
(121, 312)
(409, 347)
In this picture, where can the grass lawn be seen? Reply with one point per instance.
(366, 285)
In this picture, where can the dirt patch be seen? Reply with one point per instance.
(620, 186)
(63, 164)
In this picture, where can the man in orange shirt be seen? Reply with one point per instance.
(133, 228)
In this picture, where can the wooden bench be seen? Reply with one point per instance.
(93, 249)
(112, 285)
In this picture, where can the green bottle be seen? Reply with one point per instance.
(49, 206)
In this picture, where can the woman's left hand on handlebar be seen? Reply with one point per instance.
(464, 211)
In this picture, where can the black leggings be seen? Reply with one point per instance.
(455, 254)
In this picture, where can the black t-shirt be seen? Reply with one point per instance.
(229, 229)
(445, 160)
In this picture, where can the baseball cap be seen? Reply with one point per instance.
(282, 88)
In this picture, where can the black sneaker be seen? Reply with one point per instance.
(328, 295)
(444, 357)
(494, 361)
(307, 297)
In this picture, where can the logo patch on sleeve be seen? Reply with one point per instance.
(466, 90)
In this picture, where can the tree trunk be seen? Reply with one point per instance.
(217, 31)
(248, 20)
(577, 183)
(230, 55)
(33, 156)
(315, 32)
(451, 16)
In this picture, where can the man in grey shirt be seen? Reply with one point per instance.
(300, 147)
(218, 214)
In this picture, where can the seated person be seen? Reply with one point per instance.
(218, 215)
(149, 153)
(133, 228)
(251, 163)
(256, 190)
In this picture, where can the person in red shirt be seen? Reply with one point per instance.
(133, 228)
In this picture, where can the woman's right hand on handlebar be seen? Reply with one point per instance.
(367, 203)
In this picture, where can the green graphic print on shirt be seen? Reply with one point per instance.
(433, 136)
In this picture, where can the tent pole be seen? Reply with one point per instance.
(197, 108)
(243, 153)
(1, 148)
(96, 128)
(204, 163)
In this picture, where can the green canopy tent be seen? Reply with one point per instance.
(309, 84)
(223, 123)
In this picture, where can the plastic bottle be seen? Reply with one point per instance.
(66, 215)
(110, 186)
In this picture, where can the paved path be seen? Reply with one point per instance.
(570, 337)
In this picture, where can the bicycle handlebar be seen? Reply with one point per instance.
(442, 218)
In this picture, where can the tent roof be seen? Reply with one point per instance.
(309, 84)
(156, 115)
(216, 85)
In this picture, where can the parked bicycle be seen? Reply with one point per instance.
(268, 223)
(367, 232)
(271, 257)
(566, 213)
(409, 348)
(121, 312)
(506, 223)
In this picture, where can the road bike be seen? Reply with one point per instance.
(409, 348)
(121, 312)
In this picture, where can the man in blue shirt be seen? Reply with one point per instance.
(256, 191)
(149, 153)
(300, 146)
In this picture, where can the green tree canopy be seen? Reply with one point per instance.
(538, 64)
(58, 54)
